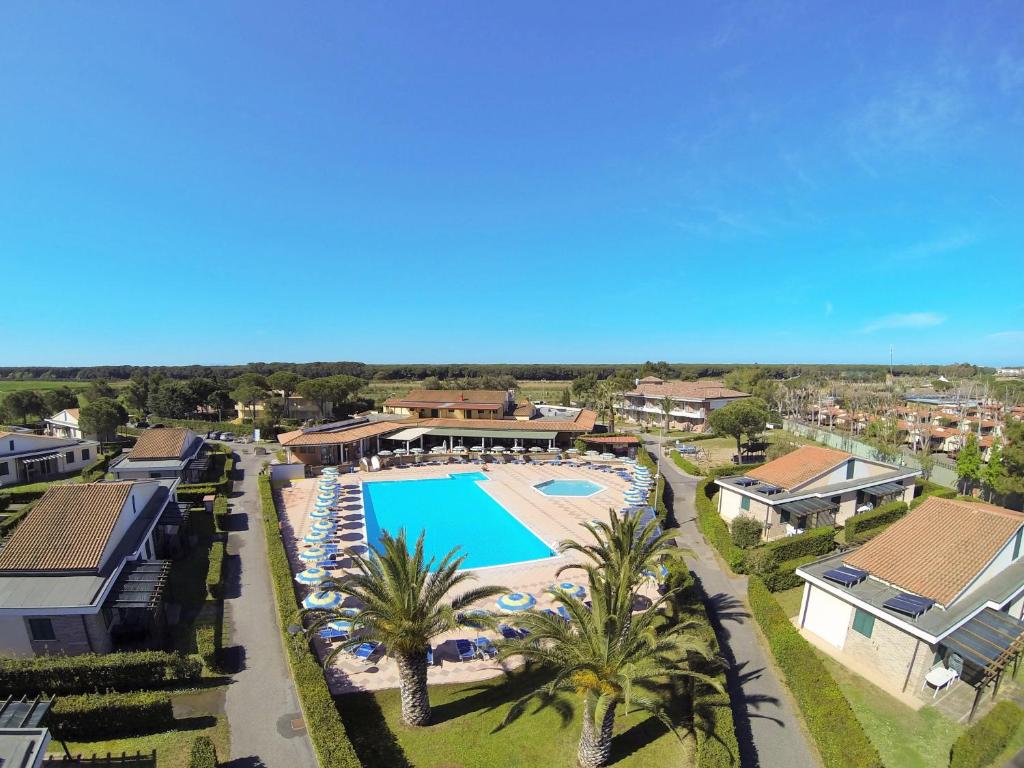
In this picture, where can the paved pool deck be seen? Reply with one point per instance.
(551, 518)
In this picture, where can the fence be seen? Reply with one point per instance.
(943, 471)
(124, 760)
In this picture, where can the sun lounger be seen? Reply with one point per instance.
(365, 650)
(564, 613)
(485, 648)
(430, 656)
(465, 649)
(330, 635)
(508, 633)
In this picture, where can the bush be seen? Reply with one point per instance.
(926, 488)
(93, 717)
(220, 512)
(982, 742)
(874, 522)
(686, 465)
(215, 571)
(713, 526)
(204, 754)
(90, 672)
(784, 576)
(210, 644)
(324, 725)
(746, 532)
(837, 732)
(817, 541)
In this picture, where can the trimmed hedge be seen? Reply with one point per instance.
(817, 541)
(88, 673)
(926, 488)
(92, 717)
(714, 527)
(215, 570)
(220, 512)
(982, 742)
(686, 465)
(837, 732)
(222, 485)
(784, 576)
(204, 754)
(323, 723)
(874, 522)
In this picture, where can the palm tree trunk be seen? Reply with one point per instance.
(412, 682)
(596, 739)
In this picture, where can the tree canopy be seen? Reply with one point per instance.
(102, 417)
(748, 416)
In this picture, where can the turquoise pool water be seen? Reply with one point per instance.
(568, 488)
(455, 512)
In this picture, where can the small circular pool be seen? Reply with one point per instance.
(568, 488)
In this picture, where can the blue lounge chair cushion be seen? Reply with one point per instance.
(485, 647)
(365, 650)
(564, 613)
(465, 649)
(430, 656)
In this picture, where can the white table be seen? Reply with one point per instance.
(939, 678)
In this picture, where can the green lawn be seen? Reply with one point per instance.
(905, 738)
(790, 600)
(43, 385)
(463, 733)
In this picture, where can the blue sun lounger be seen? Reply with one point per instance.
(365, 650)
(485, 648)
(510, 633)
(465, 649)
(564, 613)
(330, 635)
(430, 656)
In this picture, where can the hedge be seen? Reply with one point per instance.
(817, 541)
(926, 488)
(92, 717)
(982, 742)
(88, 673)
(222, 485)
(220, 512)
(837, 732)
(684, 464)
(871, 522)
(323, 723)
(215, 570)
(204, 754)
(714, 527)
(784, 576)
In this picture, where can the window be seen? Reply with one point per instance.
(1016, 543)
(85, 454)
(849, 469)
(41, 630)
(863, 622)
(5, 468)
(745, 502)
(69, 457)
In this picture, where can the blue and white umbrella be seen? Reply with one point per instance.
(324, 525)
(661, 575)
(321, 513)
(312, 576)
(341, 625)
(312, 554)
(315, 537)
(516, 601)
(327, 599)
(635, 498)
(569, 588)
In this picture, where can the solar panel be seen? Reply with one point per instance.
(768, 490)
(908, 605)
(846, 575)
(745, 482)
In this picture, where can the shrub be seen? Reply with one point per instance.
(837, 732)
(874, 521)
(204, 754)
(122, 671)
(713, 526)
(326, 730)
(220, 512)
(746, 532)
(215, 571)
(210, 644)
(92, 717)
(784, 576)
(685, 464)
(817, 541)
(982, 742)
(926, 488)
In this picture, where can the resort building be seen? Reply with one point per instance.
(296, 407)
(80, 572)
(65, 424)
(30, 458)
(935, 598)
(453, 404)
(164, 452)
(810, 487)
(24, 736)
(692, 401)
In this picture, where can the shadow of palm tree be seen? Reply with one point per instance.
(372, 739)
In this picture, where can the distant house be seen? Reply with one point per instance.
(163, 453)
(298, 407)
(81, 569)
(810, 487)
(453, 404)
(939, 592)
(65, 424)
(692, 401)
(30, 458)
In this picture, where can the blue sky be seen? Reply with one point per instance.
(762, 182)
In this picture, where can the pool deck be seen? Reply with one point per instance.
(552, 518)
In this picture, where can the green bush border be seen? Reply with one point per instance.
(685, 464)
(90, 672)
(859, 528)
(980, 744)
(323, 723)
(96, 716)
(204, 753)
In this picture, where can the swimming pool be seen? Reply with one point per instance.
(568, 488)
(455, 512)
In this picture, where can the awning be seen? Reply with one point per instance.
(511, 434)
(885, 489)
(38, 459)
(988, 641)
(807, 506)
(23, 712)
(140, 585)
(407, 435)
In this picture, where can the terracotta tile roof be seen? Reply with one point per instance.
(796, 468)
(612, 439)
(524, 408)
(67, 529)
(351, 434)
(450, 398)
(938, 548)
(690, 390)
(161, 443)
(584, 422)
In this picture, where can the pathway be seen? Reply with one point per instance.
(261, 704)
(767, 726)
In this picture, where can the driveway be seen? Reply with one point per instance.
(769, 731)
(261, 704)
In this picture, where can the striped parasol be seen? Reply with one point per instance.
(516, 601)
(312, 576)
(315, 537)
(569, 588)
(321, 513)
(312, 554)
(325, 600)
(324, 525)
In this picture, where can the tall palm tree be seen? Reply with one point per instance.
(667, 404)
(406, 601)
(606, 656)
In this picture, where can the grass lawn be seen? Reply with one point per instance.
(463, 733)
(44, 385)
(905, 738)
(790, 600)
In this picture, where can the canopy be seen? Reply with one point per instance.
(885, 489)
(37, 459)
(511, 434)
(140, 584)
(410, 434)
(807, 506)
(988, 641)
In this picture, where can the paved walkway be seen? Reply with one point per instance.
(767, 726)
(261, 705)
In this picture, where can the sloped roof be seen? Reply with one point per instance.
(161, 443)
(686, 390)
(450, 398)
(67, 529)
(799, 466)
(347, 435)
(938, 549)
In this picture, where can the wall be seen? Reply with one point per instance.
(826, 615)
(140, 495)
(889, 650)
(14, 637)
(76, 634)
(729, 506)
(283, 472)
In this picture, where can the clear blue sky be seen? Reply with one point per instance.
(219, 183)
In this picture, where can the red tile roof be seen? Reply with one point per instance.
(161, 443)
(799, 466)
(350, 435)
(686, 390)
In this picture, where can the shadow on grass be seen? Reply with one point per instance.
(489, 695)
(369, 733)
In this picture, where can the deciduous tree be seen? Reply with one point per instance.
(968, 464)
(748, 416)
(102, 416)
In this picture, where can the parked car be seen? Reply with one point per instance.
(227, 436)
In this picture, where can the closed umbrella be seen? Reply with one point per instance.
(315, 537)
(516, 601)
(569, 588)
(312, 576)
(385, 453)
(324, 525)
(325, 600)
(312, 554)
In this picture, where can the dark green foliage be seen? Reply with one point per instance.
(979, 745)
(837, 732)
(817, 541)
(684, 464)
(926, 488)
(783, 576)
(220, 512)
(125, 671)
(746, 532)
(204, 754)
(215, 572)
(712, 525)
(874, 522)
(94, 717)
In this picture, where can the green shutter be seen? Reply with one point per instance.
(1016, 543)
(745, 503)
(863, 622)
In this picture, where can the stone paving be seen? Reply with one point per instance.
(552, 519)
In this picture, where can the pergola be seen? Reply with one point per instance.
(810, 509)
(987, 643)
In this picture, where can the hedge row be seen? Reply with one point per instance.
(860, 528)
(982, 742)
(88, 673)
(204, 754)
(686, 465)
(817, 541)
(784, 576)
(714, 527)
(215, 570)
(326, 730)
(222, 485)
(926, 488)
(832, 723)
(98, 469)
(220, 512)
(92, 717)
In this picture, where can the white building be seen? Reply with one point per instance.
(31, 458)
(65, 424)
(164, 452)
(692, 401)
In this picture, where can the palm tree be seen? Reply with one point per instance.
(666, 410)
(406, 601)
(607, 656)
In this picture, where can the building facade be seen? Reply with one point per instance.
(30, 458)
(692, 402)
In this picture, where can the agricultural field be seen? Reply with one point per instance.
(43, 385)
